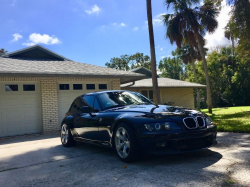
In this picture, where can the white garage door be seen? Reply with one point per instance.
(20, 108)
(68, 91)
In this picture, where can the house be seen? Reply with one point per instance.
(37, 87)
(173, 92)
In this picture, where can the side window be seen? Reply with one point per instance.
(76, 105)
(89, 100)
(96, 105)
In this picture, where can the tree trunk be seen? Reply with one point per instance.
(152, 53)
(198, 91)
(232, 38)
(201, 49)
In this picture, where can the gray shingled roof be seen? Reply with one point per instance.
(163, 82)
(13, 66)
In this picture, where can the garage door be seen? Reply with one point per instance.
(20, 108)
(68, 91)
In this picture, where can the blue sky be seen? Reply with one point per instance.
(89, 31)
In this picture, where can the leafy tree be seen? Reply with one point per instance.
(172, 67)
(190, 24)
(152, 53)
(121, 63)
(2, 51)
(139, 60)
(128, 62)
(240, 17)
(229, 76)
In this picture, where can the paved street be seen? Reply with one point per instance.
(41, 160)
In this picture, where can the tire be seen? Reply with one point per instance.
(126, 144)
(66, 136)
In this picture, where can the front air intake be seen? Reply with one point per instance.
(200, 121)
(190, 123)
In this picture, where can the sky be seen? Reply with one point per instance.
(91, 31)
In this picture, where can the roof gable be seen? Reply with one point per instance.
(144, 71)
(36, 52)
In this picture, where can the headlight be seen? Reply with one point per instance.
(161, 126)
(209, 121)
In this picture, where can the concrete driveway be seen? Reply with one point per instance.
(40, 160)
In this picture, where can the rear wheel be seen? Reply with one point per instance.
(126, 144)
(66, 136)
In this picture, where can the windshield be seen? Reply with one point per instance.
(116, 99)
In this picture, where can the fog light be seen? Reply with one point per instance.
(167, 125)
(157, 126)
(148, 127)
(161, 144)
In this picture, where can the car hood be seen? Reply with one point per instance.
(165, 110)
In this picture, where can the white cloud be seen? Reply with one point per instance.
(95, 10)
(16, 36)
(157, 20)
(114, 23)
(123, 24)
(217, 38)
(161, 48)
(163, 57)
(13, 3)
(37, 38)
(135, 29)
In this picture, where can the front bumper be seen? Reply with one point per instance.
(171, 142)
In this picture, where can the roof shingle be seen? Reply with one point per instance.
(51, 67)
(163, 82)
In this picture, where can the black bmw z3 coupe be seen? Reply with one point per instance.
(133, 125)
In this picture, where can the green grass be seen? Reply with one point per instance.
(231, 119)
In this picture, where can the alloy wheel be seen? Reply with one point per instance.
(64, 134)
(122, 142)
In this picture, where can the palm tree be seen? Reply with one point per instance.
(152, 53)
(228, 33)
(191, 23)
(190, 54)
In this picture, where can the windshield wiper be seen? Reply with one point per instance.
(144, 104)
(114, 106)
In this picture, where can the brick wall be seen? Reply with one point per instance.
(49, 100)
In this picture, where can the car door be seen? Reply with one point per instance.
(87, 123)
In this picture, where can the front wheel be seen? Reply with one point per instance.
(66, 136)
(126, 144)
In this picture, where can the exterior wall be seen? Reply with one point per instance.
(49, 95)
(178, 96)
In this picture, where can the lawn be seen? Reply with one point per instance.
(231, 119)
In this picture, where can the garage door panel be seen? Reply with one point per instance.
(32, 101)
(20, 111)
(32, 114)
(12, 114)
(11, 101)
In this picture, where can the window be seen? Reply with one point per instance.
(102, 86)
(10, 88)
(96, 105)
(77, 86)
(148, 94)
(89, 100)
(76, 105)
(29, 87)
(90, 86)
(63, 86)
